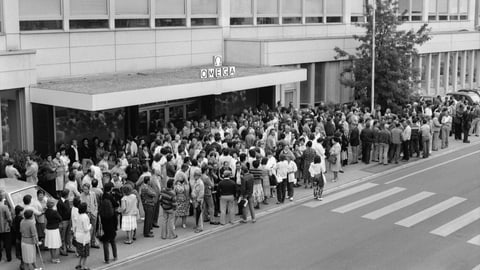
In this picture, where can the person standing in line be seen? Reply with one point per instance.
(384, 143)
(32, 171)
(60, 173)
(436, 128)
(29, 239)
(90, 199)
(168, 202)
(367, 137)
(65, 211)
(198, 191)
(227, 190)
(335, 151)
(5, 228)
(247, 194)
(307, 158)
(426, 133)
(281, 172)
(148, 197)
(208, 207)
(82, 230)
(291, 181)
(182, 192)
(129, 213)
(446, 127)
(354, 142)
(406, 135)
(258, 195)
(415, 137)
(53, 241)
(396, 142)
(106, 211)
(317, 174)
(17, 235)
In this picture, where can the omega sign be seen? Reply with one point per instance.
(218, 70)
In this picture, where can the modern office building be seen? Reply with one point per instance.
(83, 68)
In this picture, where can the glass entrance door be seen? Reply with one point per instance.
(9, 115)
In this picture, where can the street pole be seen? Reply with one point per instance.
(373, 56)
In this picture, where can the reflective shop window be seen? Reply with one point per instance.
(88, 24)
(131, 23)
(172, 22)
(41, 25)
(241, 21)
(203, 21)
(78, 124)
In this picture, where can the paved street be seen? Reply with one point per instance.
(422, 217)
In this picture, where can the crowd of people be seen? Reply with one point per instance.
(210, 170)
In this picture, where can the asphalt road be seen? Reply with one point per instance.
(423, 217)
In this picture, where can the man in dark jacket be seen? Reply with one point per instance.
(227, 189)
(367, 138)
(64, 209)
(149, 198)
(247, 194)
(354, 142)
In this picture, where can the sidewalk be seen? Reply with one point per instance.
(145, 246)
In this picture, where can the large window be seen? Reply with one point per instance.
(204, 12)
(314, 11)
(334, 11)
(88, 14)
(170, 13)
(131, 13)
(442, 10)
(40, 15)
(267, 12)
(241, 12)
(291, 11)
(410, 10)
(357, 11)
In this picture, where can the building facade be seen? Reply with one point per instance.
(80, 68)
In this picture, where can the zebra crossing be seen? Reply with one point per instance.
(442, 230)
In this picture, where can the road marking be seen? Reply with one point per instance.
(341, 194)
(398, 205)
(475, 240)
(368, 200)
(457, 223)
(476, 267)
(432, 167)
(430, 212)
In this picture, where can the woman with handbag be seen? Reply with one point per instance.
(108, 220)
(318, 178)
(334, 158)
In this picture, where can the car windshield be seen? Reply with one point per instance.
(474, 97)
(17, 196)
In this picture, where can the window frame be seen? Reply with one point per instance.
(40, 18)
(449, 15)
(134, 16)
(204, 16)
(321, 15)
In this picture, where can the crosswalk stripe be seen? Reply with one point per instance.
(398, 205)
(341, 194)
(457, 223)
(475, 240)
(430, 212)
(476, 267)
(367, 200)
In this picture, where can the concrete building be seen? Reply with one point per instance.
(73, 69)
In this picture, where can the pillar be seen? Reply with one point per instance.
(311, 85)
(471, 68)
(111, 14)
(438, 63)
(425, 10)
(446, 72)
(153, 8)
(428, 74)
(455, 72)
(463, 68)
(66, 15)
(477, 53)
(11, 25)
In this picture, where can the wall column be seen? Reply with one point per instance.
(471, 68)
(426, 4)
(428, 74)
(438, 63)
(463, 69)
(446, 72)
(311, 85)
(455, 72)
(11, 26)
(477, 53)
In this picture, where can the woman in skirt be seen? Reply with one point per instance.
(82, 229)
(182, 191)
(29, 240)
(52, 234)
(129, 211)
(317, 173)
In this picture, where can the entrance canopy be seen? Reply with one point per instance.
(100, 92)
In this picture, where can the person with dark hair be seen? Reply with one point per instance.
(247, 195)
(65, 211)
(367, 138)
(129, 212)
(335, 151)
(258, 195)
(29, 239)
(148, 197)
(198, 191)
(169, 205)
(208, 206)
(307, 158)
(82, 230)
(182, 191)
(72, 187)
(109, 221)
(16, 234)
(5, 228)
(53, 241)
(425, 132)
(318, 177)
(90, 199)
(281, 172)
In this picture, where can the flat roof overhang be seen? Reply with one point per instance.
(108, 91)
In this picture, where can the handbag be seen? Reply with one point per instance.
(100, 232)
(332, 159)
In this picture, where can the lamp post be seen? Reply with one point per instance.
(373, 56)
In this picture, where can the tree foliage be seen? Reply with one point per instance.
(395, 76)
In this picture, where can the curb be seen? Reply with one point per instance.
(297, 202)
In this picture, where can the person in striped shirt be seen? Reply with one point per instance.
(257, 172)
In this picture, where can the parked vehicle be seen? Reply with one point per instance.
(475, 91)
(16, 189)
(470, 97)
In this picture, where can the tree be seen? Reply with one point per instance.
(395, 76)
